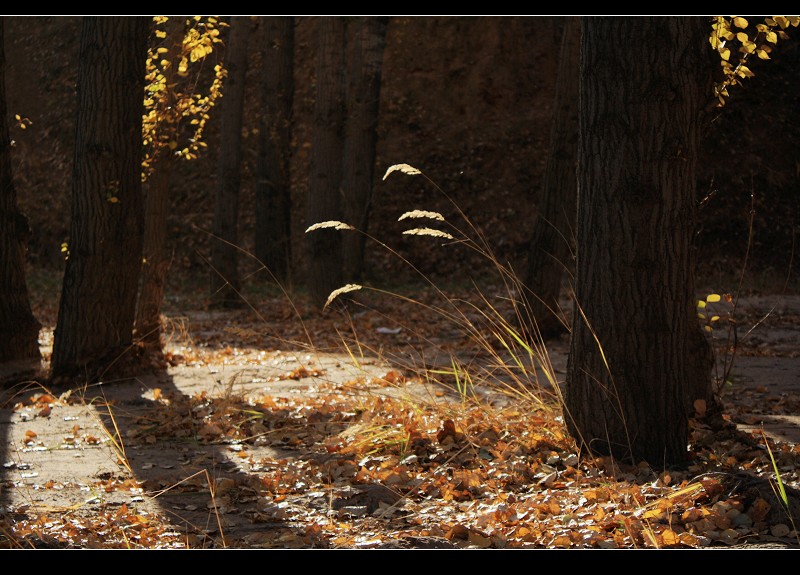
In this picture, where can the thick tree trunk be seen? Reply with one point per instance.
(95, 319)
(273, 189)
(363, 99)
(551, 247)
(633, 363)
(19, 329)
(225, 283)
(324, 190)
(155, 260)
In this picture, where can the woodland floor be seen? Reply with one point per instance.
(243, 439)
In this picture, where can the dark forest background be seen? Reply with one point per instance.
(469, 101)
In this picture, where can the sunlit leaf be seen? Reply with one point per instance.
(670, 538)
(781, 21)
(713, 298)
(740, 22)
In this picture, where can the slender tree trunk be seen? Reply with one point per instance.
(19, 329)
(273, 188)
(363, 99)
(324, 193)
(551, 246)
(225, 283)
(633, 362)
(156, 261)
(95, 319)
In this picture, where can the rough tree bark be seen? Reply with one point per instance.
(273, 188)
(363, 99)
(635, 358)
(551, 247)
(225, 282)
(324, 190)
(19, 329)
(95, 319)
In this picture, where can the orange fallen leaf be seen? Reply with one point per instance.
(759, 510)
(45, 411)
(669, 537)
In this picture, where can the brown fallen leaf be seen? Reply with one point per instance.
(759, 510)
(448, 429)
(479, 540)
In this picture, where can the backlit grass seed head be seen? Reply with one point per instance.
(404, 168)
(428, 232)
(330, 224)
(422, 214)
(336, 293)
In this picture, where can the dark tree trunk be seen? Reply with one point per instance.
(156, 261)
(98, 299)
(551, 247)
(363, 98)
(19, 329)
(633, 363)
(324, 190)
(273, 190)
(225, 283)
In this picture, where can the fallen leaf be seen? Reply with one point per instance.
(479, 540)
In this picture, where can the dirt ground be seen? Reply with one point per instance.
(72, 454)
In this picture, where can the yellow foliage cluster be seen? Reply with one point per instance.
(175, 110)
(747, 38)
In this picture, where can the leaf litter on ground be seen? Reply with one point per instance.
(354, 466)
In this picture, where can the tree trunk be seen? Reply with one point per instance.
(633, 360)
(225, 283)
(273, 189)
(156, 262)
(363, 98)
(19, 329)
(551, 247)
(324, 190)
(95, 319)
